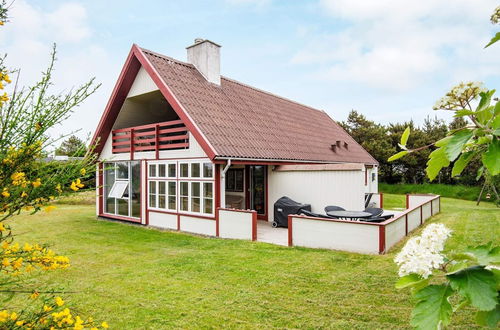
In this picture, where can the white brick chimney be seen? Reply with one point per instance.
(205, 56)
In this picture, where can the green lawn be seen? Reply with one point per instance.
(135, 277)
(470, 193)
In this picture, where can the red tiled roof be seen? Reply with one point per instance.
(244, 122)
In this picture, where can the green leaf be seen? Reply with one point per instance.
(480, 173)
(437, 160)
(456, 267)
(397, 156)
(457, 142)
(493, 40)
(405, 136)
(495, 124)
(491, 158)
(463, 256)
(496, 111)
(443, 142)
(463, 113)
(410, 281)
(485, 254)
(476, 284)
(489, 318)
(485, 100)
(461, 163)
(485, 115)
(433, 308)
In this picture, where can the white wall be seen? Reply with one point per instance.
(414, 200)
(345, 236)
(318, 188)
(142, 84)
(394, 232)
(162, 220)
(372, 185)
(198, 225)
(236, 224)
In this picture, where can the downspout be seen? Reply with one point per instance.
(226, 168)
(223, 183)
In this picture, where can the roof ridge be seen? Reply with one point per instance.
(272, 94)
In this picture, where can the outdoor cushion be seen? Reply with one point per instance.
(374, 211)
(333, 208)
(312, 214)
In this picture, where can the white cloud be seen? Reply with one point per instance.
(28, 39)
(69, 21)
(398, 45)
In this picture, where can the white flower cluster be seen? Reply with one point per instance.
(422, 254)
(458, 97)
(495, 18)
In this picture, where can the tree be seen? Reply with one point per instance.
(27, 184)
(470, 277)
(372, 137)
(72, 147)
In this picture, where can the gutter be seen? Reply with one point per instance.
(285, 161)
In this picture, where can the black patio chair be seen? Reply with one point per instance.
(333, 208)
(374, 211)
(312, 214)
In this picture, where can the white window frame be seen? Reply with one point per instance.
(178, 180)
(128, 186)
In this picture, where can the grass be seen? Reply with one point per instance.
(470, 193)
(135, 277)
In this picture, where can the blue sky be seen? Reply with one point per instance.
(389, 59)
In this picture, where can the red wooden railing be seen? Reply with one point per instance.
(153, 137)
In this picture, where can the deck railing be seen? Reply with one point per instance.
(153, 137)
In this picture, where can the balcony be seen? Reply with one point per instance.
(152, 137)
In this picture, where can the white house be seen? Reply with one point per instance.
(177, 142)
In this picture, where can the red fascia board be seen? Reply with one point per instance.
(172, 100)
(115, 102)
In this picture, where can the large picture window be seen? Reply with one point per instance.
(184, 186)
(122, 188)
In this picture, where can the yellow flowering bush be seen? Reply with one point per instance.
(27, 183)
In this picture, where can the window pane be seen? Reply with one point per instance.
(208, 207)
(171, 203)
(162, 170)
(119, 190)
(109, 180)
(171, 188)
(207, 189)
(152, 170)
(136, 189)
(184, 170)
(184, 189)
(152, 187)
(195, 204)
(171, 170)
(161, 201)
(152, 193)
(208, 170)
(122, 207)
(195, 189)
(161, 187)
(195, 170)
(184, 204)
(122, 170)
(152, 200)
